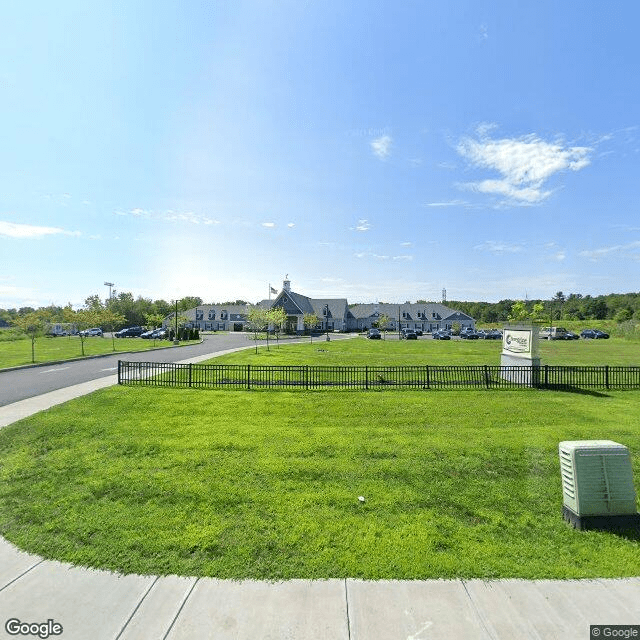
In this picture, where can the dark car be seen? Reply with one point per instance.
(594, 334)
(373, 334)
(418, 332)
(129, 332)
(440, 335)
(469, 334)
(408, 334)
(569, 335)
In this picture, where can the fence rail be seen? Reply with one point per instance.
(230, 376)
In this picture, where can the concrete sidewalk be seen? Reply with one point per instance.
(99, 605)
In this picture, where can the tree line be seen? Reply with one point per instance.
(620, 307)
(136, 311)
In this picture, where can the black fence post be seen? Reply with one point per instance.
(487, 379)
(248, 377)
(190, 371)
(366, 377)
(606, 376)
(119, 375)
(546, 376)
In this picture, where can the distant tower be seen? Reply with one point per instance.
(444, 295)
(286, 283)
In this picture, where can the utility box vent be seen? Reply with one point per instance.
(597, 479)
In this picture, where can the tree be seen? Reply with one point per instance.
(276, 317)
(520, 313)
(82, 319)
(174, 323)
(33, 325)
(623, 315)
(188, 302)
(384, 322)
(154, 320)
(257, 320)
(310, 321)
(110, 319)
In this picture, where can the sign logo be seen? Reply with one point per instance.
(517, 341)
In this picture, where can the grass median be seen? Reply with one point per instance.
(15, 353)
(238, 484)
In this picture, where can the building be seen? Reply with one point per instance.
(334, 314)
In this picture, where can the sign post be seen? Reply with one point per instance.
(520, 360)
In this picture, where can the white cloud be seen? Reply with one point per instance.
(381, 147)
(363, 225)
(14, 230)
(403, 258)
(369, 254)
(450, 203)
(168, 216)
(291, 225)
(629, 250)
(524, 164)
(499, 247)
(269, 225)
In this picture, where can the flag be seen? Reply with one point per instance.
(272, 290)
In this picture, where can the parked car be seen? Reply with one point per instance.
(440, 335)
(553, 333)
(147, 334)
(418, 332)
(571, 336)
(129, 332)
(594, 334)
(408, 334)
(95, 331)
(374, 334)
(469, 334)
(160, 334)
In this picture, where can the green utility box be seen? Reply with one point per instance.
(597, 484)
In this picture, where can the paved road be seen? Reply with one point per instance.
(29, 382)
(21, 384)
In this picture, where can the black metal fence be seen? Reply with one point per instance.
(230, 376)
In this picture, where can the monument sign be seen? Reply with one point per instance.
(520, 360)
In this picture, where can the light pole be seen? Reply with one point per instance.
(175, 335)
(109, 284)
(326, 320)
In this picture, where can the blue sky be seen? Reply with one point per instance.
(374, 151)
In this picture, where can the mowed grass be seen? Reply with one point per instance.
(18, 352)
(263, 485)
(390, 352)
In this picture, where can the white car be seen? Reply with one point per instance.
(95, 331)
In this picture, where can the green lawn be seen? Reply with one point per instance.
(239, 484)
(389, 352)
(18, 352)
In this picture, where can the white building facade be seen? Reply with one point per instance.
(333, 314)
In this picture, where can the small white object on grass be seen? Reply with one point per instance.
(361, 498)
